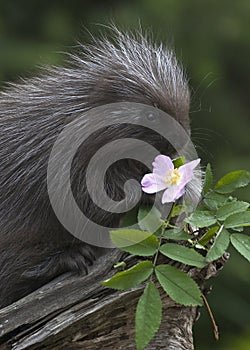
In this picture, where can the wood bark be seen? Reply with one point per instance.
(75, 312)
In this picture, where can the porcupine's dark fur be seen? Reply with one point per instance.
(34, 246)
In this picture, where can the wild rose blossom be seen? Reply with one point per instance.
(166, 177)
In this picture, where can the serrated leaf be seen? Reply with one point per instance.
(148, 315)
(208, 182)
(214, 200)
(149, 219)
(242, 244)
(231, 208)
(237, 220)
(131, 277)
(179, 162)
(219, 246)
(183, 254)
(232, 181)
(201, 218)
(135, 242)
(208, 235)
(177, 235)
(178, 285)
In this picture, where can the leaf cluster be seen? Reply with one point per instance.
(205, 236)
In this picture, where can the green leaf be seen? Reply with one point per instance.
(131, 277)
(148, 316)
(208, 182)
(178, 285)
(242, 244)
(183, 254)
(177, 235)
(179, 162)
(176, 211)
(214, 200)
(232, 181)
(236, 220)
(201, 218)
(208, 236)
(149, 219)
(219, 246)
(135, 242)
(231, 208)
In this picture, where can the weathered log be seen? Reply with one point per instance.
(75, 312)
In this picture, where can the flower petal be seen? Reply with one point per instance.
(152, 183)
(186, 171)
(172, 194)
(162, 165)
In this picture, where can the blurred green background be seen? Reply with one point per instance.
(212, 40)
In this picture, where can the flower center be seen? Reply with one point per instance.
(173, 177)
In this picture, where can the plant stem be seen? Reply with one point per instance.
(158, 249)
(166, 225)
(216, 329)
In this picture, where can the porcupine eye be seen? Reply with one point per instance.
(151, 117)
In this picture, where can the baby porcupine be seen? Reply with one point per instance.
(34, 246)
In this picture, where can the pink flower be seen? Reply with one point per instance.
(166, 177)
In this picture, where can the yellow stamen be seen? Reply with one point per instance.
(173, 177)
